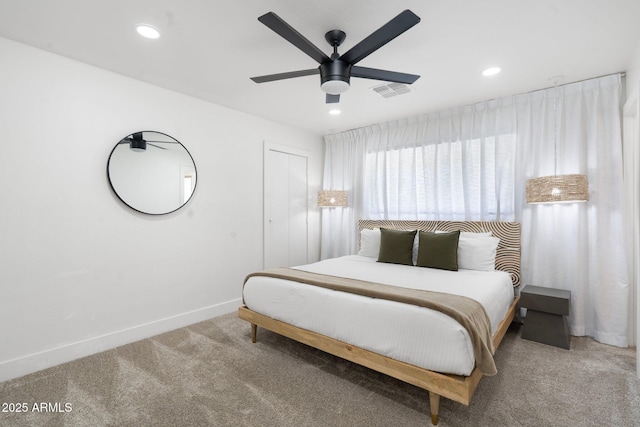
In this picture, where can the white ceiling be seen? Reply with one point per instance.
(209, 49)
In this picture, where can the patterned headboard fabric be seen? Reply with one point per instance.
(508, 253)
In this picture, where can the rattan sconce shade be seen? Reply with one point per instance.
(333, 198)
(558, 189)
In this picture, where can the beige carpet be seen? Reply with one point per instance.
(209, 374)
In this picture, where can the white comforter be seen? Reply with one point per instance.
(408, 333)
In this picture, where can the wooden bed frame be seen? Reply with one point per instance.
(454, 387)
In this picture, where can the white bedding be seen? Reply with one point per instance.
(412, 334)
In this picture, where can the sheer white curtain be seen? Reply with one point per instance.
(471, 163)
(581, 246)
(343, 170)
(454, 165)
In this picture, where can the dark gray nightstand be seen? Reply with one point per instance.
(547, 311)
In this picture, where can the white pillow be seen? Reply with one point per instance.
(468, 233)
(478, 252)
(370, 243)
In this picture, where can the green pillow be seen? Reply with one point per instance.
(438, 250)
(396, 246)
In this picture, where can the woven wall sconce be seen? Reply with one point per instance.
(333, 199)
(558, 189)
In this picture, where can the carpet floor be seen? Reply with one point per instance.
(210, 374)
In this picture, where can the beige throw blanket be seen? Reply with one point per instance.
(466, 311)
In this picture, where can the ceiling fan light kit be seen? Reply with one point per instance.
(334, 76)
(336, 71)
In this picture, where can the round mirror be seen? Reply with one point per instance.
(151, 172)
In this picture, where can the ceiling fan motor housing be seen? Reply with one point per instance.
(334, 76)
(137, 142)
(138, 145)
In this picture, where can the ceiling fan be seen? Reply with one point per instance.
(337, 70)
(138, 143)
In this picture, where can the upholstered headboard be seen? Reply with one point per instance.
(508, 253)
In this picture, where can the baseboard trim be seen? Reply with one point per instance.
(28, 364)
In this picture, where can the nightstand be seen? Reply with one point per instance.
(547, 311)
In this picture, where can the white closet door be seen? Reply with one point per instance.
(285, 207)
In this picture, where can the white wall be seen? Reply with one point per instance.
(633, 71)
(79, 271)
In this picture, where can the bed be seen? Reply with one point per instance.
(433, 348)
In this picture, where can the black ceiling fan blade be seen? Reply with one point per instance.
(288, 75)
(162, 142)
(332, 99)
(389, 76)
(287, 32)
(381, 36)
(157, 146)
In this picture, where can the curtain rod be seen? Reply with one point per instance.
(621, 73)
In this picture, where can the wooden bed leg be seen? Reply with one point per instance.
(254, 332)
(434, 403)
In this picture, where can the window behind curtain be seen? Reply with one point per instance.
(459, 180)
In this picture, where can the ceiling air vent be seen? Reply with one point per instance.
(392, 89)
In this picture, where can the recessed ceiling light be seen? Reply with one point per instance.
(335, 112)
(147, 31)
(492, 71)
